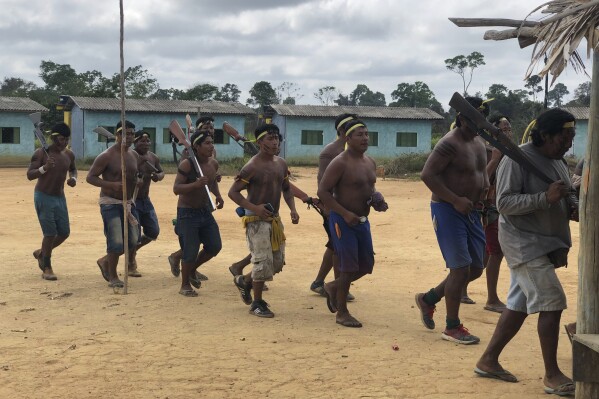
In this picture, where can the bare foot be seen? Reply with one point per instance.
(236, 269)
(116, 282)
(347, 320)
(102, 265)
(48, 274)
(331, 298)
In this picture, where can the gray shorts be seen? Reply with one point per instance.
(266, 262)
(534, 287)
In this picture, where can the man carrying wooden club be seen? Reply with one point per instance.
(150, 170)
(50, 169)
(106, 173)
(456, 174)
(195, 223)
(265, 177)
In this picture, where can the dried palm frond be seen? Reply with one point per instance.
(559, 35)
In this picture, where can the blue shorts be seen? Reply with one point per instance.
(461, 237)
(195, 227)
(112, 216)
(352, 244)
(146, 216)
(52, 214)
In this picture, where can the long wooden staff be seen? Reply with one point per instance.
(123, 152)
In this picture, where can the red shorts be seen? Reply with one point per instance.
(491, 236)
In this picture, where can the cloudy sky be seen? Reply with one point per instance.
(312, 43)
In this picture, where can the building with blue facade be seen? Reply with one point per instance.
(153, 116)
(582, 130)
(393, 131)
(17, 141)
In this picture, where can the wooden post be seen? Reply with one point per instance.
(588, 258)
(124, 149)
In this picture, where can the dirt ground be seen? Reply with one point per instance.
(76, 338)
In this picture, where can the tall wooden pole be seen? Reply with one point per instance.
(124, 149)
(588, 258)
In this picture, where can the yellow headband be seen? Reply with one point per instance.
(349, 118)
(55, 134)
(139, 137)
(199, 137)
(203, 123)
(357, 125)
(119, 129)
(484, 103)
(260, 135)
(569, 125)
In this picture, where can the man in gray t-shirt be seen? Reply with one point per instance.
(534, 234)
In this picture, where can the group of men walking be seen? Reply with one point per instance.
(525, 219)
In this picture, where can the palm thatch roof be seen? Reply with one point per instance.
(558, 34)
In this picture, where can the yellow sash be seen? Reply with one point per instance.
(277, 236)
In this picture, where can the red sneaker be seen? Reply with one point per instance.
(460, 335)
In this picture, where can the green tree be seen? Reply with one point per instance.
(288, 93)
(228, 93)
(582, 95)
(138, 82)
(326, 95)
(558, 92)
(533, 84)
(61, 78)
(363, 96)
(262, 94)
(463, 65)
(201, 92)
(16, 87)
(417, 94)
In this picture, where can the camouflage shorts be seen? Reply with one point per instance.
(266, 262)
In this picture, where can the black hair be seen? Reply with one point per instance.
(202, 136)
(128, 125)
(476, 102)
(497, 117)
(139, 134)
(348, 125)
(341, 118)
(204, 119)
(62, 128)
(550, 123)
(270, 127)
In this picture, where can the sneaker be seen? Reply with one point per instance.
(460, 335)
(245, 290)
(318, 287)
(260, 309)
(426, 312)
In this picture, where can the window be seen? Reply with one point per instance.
(220, 137)
(311, 137)
(166, 135)
(373, 139)
(407, 139)
(11, 135)
(102, 139)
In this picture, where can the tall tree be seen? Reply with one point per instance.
(533, 84)
(61, 78)
(138, 82)
(16, 87)
(201, 92)
(465, 65)
(326, 95)
(582, 95)
(363, 96)
(558, 92)
(228, 93)
(417, 94)
(288, 93)
(262, 94)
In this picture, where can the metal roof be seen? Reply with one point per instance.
(20, 104)
(362, 112)
(159, 106)
(581, 113)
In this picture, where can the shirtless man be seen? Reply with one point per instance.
(149, 167)
(195, 223)
(265, 177)
(346, 189)
(204, 124)
(329, 260)
(456, 174)
(106, 173)
(50, 168)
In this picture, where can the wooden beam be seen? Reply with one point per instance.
(588, 257)
(510, 34)
(477, 22)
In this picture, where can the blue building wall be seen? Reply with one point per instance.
(24, 149)
(579, 146)
(291, 129)
(86, 143)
